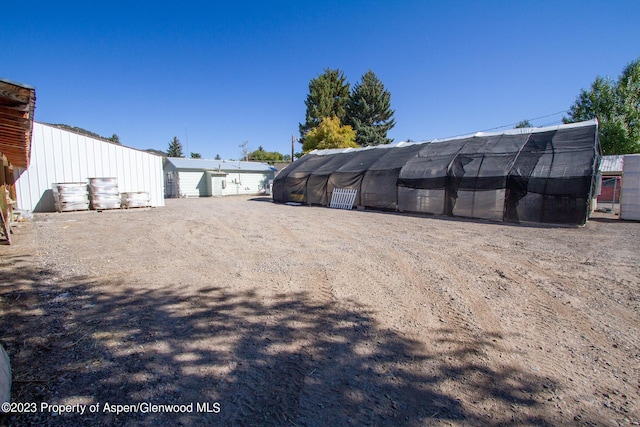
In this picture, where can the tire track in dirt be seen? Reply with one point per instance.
(268, 386)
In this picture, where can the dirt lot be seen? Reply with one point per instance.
(283, 315)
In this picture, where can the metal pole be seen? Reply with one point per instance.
(613, 198)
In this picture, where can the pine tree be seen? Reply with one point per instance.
(175, 148)
(328, 97)
(369, 111)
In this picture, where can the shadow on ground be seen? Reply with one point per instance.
(292, 361)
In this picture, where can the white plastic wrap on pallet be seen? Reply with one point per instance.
(104, 193)
(70, 196)
(139, 199)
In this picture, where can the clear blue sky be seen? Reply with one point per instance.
(216, 74)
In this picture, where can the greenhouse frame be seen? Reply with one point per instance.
(539, 175)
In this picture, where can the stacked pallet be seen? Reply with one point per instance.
(104, 193)
(136, 199)
(70, 196)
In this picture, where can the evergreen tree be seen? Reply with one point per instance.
(328, 97)
(369, 111)
(175, 148)
(196, 156)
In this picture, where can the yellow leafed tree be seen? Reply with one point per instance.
(329, 134)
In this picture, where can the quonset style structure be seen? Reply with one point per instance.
(541, 175)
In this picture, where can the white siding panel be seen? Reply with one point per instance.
(61, 156)
(252, 183)
(246, 183)
(231, 186)
(193, 184)
(83, 166)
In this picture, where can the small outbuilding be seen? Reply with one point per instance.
(611, 179)
(206, 178)
(542, 175)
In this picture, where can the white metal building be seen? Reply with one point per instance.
(204, 178)
(60, 156)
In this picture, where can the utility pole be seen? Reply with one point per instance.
(186, 134)
(293, 140)
(245, 150)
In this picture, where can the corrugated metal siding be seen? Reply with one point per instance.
(61, 156)
(611, 164)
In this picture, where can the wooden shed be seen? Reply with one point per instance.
(610, 171)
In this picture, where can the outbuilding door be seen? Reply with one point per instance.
(217, 183)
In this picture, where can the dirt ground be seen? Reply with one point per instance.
(263, 314)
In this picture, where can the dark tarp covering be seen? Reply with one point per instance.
(318, 192)
(350, 174)
(379, 188)
(536, 175)
(291, 184)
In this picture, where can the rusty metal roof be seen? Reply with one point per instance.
(17, 104)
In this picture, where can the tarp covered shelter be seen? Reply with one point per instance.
(543, 175)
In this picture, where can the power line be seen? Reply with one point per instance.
(503, 126)
(529, 120)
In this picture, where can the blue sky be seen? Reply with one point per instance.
(216, 74)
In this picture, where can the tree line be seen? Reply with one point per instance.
(616, 105)
(340, 116)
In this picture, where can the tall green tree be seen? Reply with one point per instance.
(175, 148)
(329, 134)
(328, 97)
(616, 105)
(629, 94)
(369, 111)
